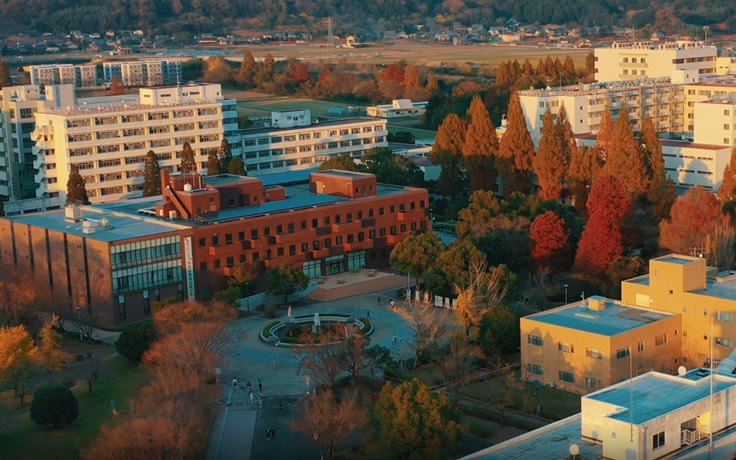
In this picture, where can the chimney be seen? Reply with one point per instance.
(596, 303)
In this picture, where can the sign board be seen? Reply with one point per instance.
(189, 266)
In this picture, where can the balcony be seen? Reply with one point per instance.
(394, 239)
(219, 250)
(320, 253)
(689, 436)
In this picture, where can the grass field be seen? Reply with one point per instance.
(23, 439)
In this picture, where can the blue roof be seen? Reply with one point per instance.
(655, 395)
(286, 177)
(271, 207)
(614, 319)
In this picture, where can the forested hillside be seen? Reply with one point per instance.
(171, 16)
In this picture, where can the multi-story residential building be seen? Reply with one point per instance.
(642, 60)
(144, 73)
(293, 142)
(115, 259)
(79, 76)
(107, 138)
(717, 121)
(670, 317)
(720, 89)
(18, 105)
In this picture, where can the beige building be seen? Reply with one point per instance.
(145, 73)
(398, 108)
(643, 60)
(107, 138)
(79, 76)
(725, 65)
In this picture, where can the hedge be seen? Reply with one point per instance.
(267, 330)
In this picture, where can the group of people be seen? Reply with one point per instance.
(249, 385)
(270, 433)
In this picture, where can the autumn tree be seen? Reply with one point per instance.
(453, 267)
(693, 218)
(590, 66)
(727, 191)
(516, 149)
(391, 81)
(720, 247)
(116, 87)
(602, 240)
(624, 157)
(298, 72)
(237, 166)
(188, 163)
(248, 70)
(550, 241)
(624, 268)
(416, 253)
(49, 354)
(217, 70)
(265, 75)
(447, 153)
(661, 192)
(605, 137)
(549, 163)
(213, 163)
(54, 405)
(427, 323)
(480, 147)
(238, 285)
(583, 168)
(170, 318)
(412, 80)
(285, 280)
(484, 291)
(225, 155)
(5, 79)
(76, 191)
(411, 422)
(324, 356)
(151, 175)
(329, 420)
(17, 358)
(343, 162)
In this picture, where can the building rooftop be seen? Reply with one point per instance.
(222, 179)
(655, 394)
(551, 441)
(612, 320)
(679, 260)
(276, 129)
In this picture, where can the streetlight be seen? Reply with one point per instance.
(566, 294)
(79, 322)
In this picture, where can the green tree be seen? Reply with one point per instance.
(401, 137)
(416, 253)
(549, 163)
(213, 163)
(135, 340)
(390, 168)
(54, 405)
(516, 150)
(662, 193)
(343, 162)
(285, 280)
(17, 358)
(411, 422)
(238, 285)
(188, 163)
(498, 332)
(76, 192)
(151, 175)
(453, 267)
(5, 79)
(480, 147)
(237, 166)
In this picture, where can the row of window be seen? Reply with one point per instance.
(593, 353)
(137, 118)
(563, 376)
(313, 135)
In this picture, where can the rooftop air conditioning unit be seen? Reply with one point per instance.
(173, 214)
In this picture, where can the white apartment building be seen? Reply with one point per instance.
(108, 138)
(18, 105)
(398, 108)
(643, 60)
(716, 121)
(293, 142)
(79, 76)
(144, 73)
(723, 88)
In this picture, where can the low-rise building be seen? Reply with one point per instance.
(79, 76)
(144, 73)
(399, 108)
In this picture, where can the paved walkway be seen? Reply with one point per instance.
(98, 334)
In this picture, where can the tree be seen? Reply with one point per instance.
(590, 66)
(411, 422)
(343, 162)
(170, 318)
(485, 291)
(225, 155)
(662, 193)
(17, 356)
(480, 147)
(238, 285)
(727, 191)
(401, 137)
(5, 79)
(624, 268)
(605, 137)
(516, 149)
(416, 253)
(116, 87)
(602, 241)
(217, 70)
(583, 168)
(325, 357)
(356, 357)
(2, 209)
(693, 218)
(285, 280)
(453, 267)
(237, 166)
(151, 175)
(188, 163)
(549, 163)
(49, 355)
(248, 70)
(76, 192)
(447, 152)
(498, 332)
(550, 241)
(391, 168)
(461, 358)
(213, 163)
(54, 405)
(329, 421)
(135, 340)
(721, 244)
(412, 80)
(624, 157)
(427, 323)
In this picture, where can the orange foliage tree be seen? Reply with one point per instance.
(624, 157)
(480, 147)
(447, 152)
(693, 218)
(516, 149)
(549, 163)
(550, 241)
(727, 190)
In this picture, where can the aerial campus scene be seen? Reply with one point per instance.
(330, 229)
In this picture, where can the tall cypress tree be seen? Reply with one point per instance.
(237, 166)
(567, 141)
(248, 70)
(447, 152)
(661, 192)
(188, 163)
(213, 163)
(516, 149)
(549, 163)
(605, 132)
(226, 154)
(76, 192)
(480, 147)
(5, 79)
(151, 175)
(584, 167)
(624, 160)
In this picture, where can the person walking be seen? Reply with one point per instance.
(260, 385)
(268, 434)
(273, 432)
(248, 385)
(367, 313)
(275, 362)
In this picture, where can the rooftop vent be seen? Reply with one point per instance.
(596, 303)
(73, 213)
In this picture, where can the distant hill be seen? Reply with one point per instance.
(349, 16)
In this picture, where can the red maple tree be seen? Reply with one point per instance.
(693, 217)
(550, 241)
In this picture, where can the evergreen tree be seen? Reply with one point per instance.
(151, 175)
(516, 149)
(116, 87)
(480, 147)
(237, 166)
(541, 68)
(76, 192)
(568, 69)
(549, 163)
(5, 79)
(661, 193)
(213, 163)
(447, 152)
(590, 66)
(225, 155)
(568, 143)
(433, 86)
(727, 191)
(583, 169)
(605, 132)
(188, 163)
(248, 70)
(624, 160)
(412, 80)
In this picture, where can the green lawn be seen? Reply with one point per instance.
(23, 439)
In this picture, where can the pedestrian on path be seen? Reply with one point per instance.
(260, 385)
(379, 300)
(273, 432)
(391, 302)
(251, 400)
(367, 313)
(275, 362)
(268, 434)
(248, 385)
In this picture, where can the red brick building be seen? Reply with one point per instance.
(115, 259)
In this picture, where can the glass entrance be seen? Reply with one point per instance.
(356, 260)
(334, 264)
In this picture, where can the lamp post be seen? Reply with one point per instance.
(79, 322)
(566, 294)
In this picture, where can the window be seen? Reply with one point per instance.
(305, 247)
(291, 227)
(241, 236)
(215, 240)
(256, 255)
(724, 316)
(280, 251)
(658, 440)
(660, 340)
(230, 261)
(567, 377)
(593, 353)
(622, 353)
(292, 250)
(216, 263)
(351, 238)
(592, 383)
(254, 234)
(338, 240)
(203, 266)
(724, 342)
(566, 347)
(535, 340)
(314, 223)
(202, 242)
(640, 347)
(536, 369)
(229, 238)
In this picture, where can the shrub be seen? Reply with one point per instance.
(270, 312)
(267, 330)
(478, 429)
(367, 326)
(289, 340)
(54, 405)
(135, 340)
